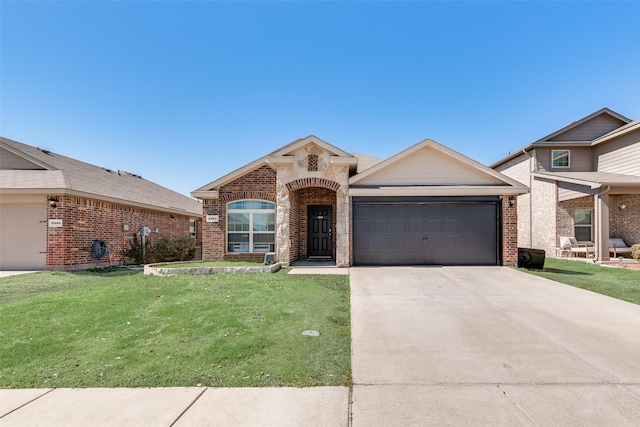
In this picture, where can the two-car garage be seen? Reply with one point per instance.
(430, 205)
(427, 230)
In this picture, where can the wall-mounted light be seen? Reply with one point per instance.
(512, 200)
(622, 206)
(52, 201)
(172, 216)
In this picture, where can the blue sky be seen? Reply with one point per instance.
(185, 92)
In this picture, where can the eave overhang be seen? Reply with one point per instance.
(93, 196)
(439, 190)
(593, 183)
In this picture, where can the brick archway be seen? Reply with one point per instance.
(302, 183)
(304, 193)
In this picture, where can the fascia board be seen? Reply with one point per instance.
(438, 191)
(68, 192)
(206, 194)
(561, 144)
(590, 184)
(287, 149)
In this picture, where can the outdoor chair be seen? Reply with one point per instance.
(572, 247)
(618, 246)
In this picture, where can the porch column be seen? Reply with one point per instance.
(602, 226)
(282, 220)
(342, 227)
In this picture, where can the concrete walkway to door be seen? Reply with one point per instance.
(469, 346)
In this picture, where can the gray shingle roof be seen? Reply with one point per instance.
(55, 173)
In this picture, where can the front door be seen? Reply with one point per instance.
(320, 220)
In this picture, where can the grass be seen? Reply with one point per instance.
(123, 329)
(615, 282)
(214, 264)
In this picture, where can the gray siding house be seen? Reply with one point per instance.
(584, 182)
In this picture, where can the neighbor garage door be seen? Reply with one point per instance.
(23, 236)
(426, 231)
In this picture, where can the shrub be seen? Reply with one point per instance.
(635, 252)
(135, 251)
(162, 250)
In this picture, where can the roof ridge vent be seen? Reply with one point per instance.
(129, 173)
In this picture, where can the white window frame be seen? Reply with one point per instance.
(589, 226)
(251, 246)
(568, 159)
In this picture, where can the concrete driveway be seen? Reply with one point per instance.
(490, 346)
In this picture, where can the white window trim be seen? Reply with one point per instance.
(251, 232)
(590, 226)
(568, 159)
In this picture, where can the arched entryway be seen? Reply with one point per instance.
(312, 219)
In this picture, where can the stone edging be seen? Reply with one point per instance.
(157, 270)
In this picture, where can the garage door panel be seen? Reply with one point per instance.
(426, 232)
(23, 234)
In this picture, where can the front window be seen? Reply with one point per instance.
(251, 226)
(560, 158)
(582, 224)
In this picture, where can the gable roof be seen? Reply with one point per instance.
(429, 168)
(279, 154)
(27, 169)
(611, 115)
(570, 135)
(617, 133)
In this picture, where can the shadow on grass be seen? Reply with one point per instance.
(568, 272)
(109, 271)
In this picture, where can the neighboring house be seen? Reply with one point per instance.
(584, 182)
(52, 208)
(311, 200)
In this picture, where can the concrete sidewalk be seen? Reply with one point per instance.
(286, 406)
(454, 346)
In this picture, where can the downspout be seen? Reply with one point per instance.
(535, 168)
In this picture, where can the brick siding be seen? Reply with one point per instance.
(509, 231)
(625, 223)
(259, 184)
(85, 220)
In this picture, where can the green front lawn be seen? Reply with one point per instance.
(619, 283)
(123, 329)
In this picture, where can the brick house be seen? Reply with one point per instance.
(52, 208)
(310, 200)
(584, 182)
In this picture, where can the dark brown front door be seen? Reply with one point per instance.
(320, 220)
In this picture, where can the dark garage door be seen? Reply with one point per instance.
(426, 231)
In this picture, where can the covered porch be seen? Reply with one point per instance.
(598, 206)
